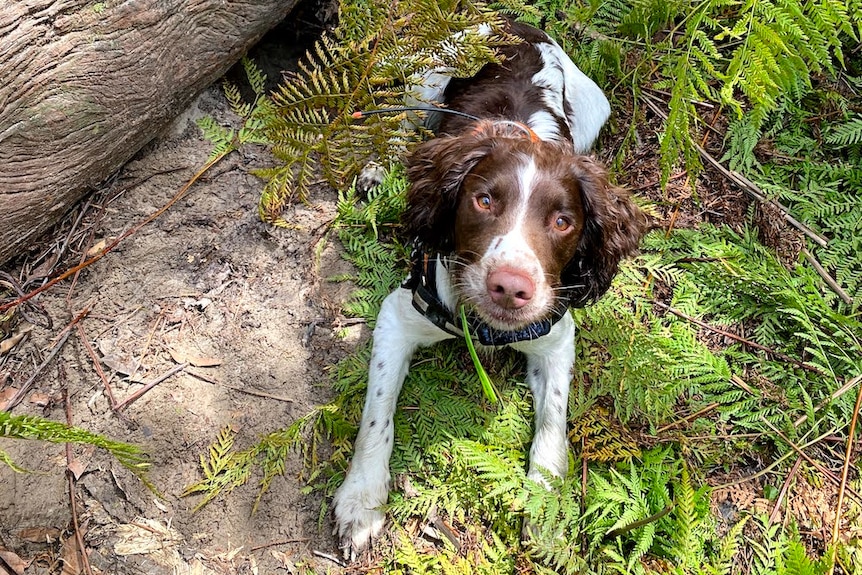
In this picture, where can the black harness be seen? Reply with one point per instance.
(422, 281)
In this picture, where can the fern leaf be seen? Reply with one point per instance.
(847, 134)
(41, 429)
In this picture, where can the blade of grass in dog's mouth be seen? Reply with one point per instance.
(487, 386)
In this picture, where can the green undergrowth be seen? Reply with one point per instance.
(667, 410)
(641, 502)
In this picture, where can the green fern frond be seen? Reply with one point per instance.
(847, 134)
(7, 459)
(371, 61)
(723, 562)
(226, 468)
(41, 429)
(222, 139)
(254, 115)
(686, 547)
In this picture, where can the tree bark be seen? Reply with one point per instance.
(84, 85)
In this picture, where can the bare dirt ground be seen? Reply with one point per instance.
(207, 283)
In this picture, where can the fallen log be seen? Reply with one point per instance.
(84, 85)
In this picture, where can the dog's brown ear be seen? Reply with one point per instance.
(613, 228)
(436, 170)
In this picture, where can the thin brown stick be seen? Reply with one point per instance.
(694, 415)
(443, 528)
(135, 396)
(783, 493)
(281, 542)
(826, 277)
(848, 385)
(848, 452)
(79, 538)
(60, 342)
(738, 338)
(213, 381)
(98, 366)
(826, 473)
(740, 383)
(149, 219)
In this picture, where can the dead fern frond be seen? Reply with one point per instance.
(602, 438)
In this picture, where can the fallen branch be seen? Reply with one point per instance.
(827, 278)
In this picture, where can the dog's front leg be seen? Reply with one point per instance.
(549, 373)
(358, 502)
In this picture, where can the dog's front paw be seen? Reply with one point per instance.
(358, 512)
(371, 176)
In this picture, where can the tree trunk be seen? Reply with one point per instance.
(84, 85)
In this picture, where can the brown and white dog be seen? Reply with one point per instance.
(514, 223)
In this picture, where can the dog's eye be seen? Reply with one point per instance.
(562, 224)
(483, 201)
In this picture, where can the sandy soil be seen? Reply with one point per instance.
(207, 281)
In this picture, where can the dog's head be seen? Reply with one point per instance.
(532, 226)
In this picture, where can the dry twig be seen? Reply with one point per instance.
(135, 396)
(98, 366)
(827, 278)
(79, 538)
(280, 542)
(844, 472)
(778, 501)
(738, 338)
(60, 342)
(214, 381)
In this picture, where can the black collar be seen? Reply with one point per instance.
(422, 281)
